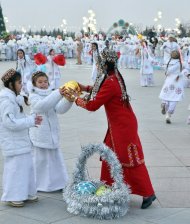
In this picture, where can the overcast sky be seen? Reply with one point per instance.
(49, 13)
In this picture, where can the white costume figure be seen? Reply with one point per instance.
(8, 51)
(26, 68)
(132, 55)
(173, 88)
(122, 63)
(94, 66)
(51, 174)
(146, 68)
(70, 48)
(3, 47)
(53, 73)
(18, 175)
(87, 53)
(95, 54)
(168, 47)
(137, 55)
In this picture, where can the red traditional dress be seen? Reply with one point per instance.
(121, 137)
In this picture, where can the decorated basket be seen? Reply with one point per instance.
(92, 198)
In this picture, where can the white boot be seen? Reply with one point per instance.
(168, 118)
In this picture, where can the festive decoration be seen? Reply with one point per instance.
(59, 59)
(40, 59)
(115, 25)
(121, 27)
(73, 85)
(108, 205)
(102, 190)
(126, 24)
(86, 187)
(121, 22)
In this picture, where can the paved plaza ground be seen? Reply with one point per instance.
(166, 148)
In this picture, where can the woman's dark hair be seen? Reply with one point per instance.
(51, 51)
(12, 81)
(111, 67)
(23, 56)
(94, 43)
(36, 75)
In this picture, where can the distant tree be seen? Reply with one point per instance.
(183, 32)
(145, 32)
(30, 32)
(2, 22)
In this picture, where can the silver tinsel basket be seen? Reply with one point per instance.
(110, 205)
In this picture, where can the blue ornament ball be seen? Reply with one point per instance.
(86, 187)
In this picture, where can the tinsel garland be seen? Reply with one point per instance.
(110, 205)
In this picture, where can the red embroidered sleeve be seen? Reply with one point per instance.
(81, 103)
(103, 96)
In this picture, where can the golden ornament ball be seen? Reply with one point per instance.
(72, 85)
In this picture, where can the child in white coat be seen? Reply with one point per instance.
(26, 67)
(95, 55)
(53, 71)
(173, 88)
(18, 175)
(146, 68)
(51, 174)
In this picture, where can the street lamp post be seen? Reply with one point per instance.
(89, 23)
(64, 26)
(157, 21)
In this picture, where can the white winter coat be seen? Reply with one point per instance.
(146, 62)
(53, 71)
(47, 103)
(26, 68)
(173, 90)
(14, 125)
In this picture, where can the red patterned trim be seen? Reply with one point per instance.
(80, 102)
(134, 159)
(110, 129)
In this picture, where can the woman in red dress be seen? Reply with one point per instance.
(122, 134)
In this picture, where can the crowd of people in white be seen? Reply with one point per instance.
(145, 54)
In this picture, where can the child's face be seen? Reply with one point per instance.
(93, 47)
(42, 82)
(20, 54)
(52, 53)
(18, 86)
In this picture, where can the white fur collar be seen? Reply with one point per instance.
(42, 92)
